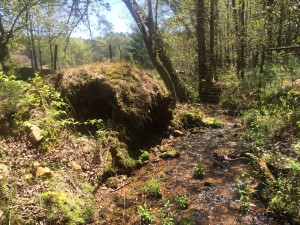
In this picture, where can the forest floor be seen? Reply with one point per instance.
(225, 195)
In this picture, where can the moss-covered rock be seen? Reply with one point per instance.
(212, 122)
(170, 154)
(120, 93)
(112, 182)
(116, 157)
(66, 208)
(187, 117)
(191, 117)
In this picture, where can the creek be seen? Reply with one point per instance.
(215, 199)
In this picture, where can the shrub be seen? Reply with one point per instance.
(199, 169)
(145, 214)
(152, 189)
(182, 201)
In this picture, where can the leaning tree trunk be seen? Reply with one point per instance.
(156, 50)
(5, 60)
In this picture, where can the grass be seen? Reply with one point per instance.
(152, 189)
(199, 170)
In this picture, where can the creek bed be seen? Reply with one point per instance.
(215, 199)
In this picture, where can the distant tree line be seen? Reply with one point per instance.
(199, 37)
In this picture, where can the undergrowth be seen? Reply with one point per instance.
(24, 104)
(271, 119)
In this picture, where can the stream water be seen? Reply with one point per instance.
(215, 199)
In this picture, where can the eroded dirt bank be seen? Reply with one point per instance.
(215, 199)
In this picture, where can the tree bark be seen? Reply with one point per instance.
(212, 58)
(5, 60)
(156, 50)
(33, 44)
(204, 76)
(242, 40)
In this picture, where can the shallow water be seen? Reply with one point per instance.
(213, 199)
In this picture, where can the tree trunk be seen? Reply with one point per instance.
(40, 49)
(207, 91)
(212, 62)
(32, 45)
(156, 50)
(242, 40)
(202, 58)
(5, 60)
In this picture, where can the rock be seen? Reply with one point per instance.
(4, 171)
(75, 166)
(170, 154)
(237, 125)
(35, 134)
(177, 133)
(112, 182)
(28, 176)
(208, 184)
(197, 130)
(44, 172)
(34, 164)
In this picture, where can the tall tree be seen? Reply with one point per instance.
(156, 49)
(66, 16)
(10, 15)
(212, 59)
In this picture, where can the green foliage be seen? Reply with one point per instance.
(152, 189)
(36, 103)
(7, 198)
(166, 214)
(245, 191)
(182, 201)
(212, 122)
(199, 170)
(286, 197)
(185, 221)
(271, 131)
(238, 94)
(67, 208)
(188, 116)
(145, 214)
(11, 91)
(137, 50)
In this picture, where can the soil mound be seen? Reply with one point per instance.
(121, 93)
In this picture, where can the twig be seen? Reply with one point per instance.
(120, 187)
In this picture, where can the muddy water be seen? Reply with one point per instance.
(213, 199)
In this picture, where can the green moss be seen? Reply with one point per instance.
(144, 156)
(117, 158)
(185, 220)
(152, 189)
(170, 154)
(212, 122)
(112, 182)
(67, 207)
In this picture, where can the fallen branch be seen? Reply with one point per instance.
(120, 187)
(263, 166)
(284, 48)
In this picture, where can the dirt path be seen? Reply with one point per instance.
(215, 199)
